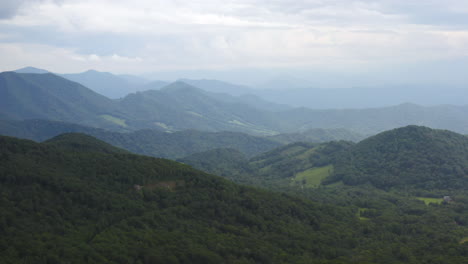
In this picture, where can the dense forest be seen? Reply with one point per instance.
(409, 157)
(76, 199)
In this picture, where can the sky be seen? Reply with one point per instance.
(345, 42)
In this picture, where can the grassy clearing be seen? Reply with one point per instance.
(115, 120)
(464, 240)
(306, 154)
(428, 200)
(194, 114)
(335, 184)
(162, 125)
(360, 210)
(312, 178)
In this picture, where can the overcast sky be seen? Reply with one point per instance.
(142, 36)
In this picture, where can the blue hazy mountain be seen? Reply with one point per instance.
(31, 70)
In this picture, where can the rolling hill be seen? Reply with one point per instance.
(48, 96)
(67, 203)
(409, 157)
(296, 164)
(76, 199)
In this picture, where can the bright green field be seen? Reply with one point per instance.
(114, 120)
(428, 201)
(313, 177)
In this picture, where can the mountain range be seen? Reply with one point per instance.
(250, 181)
(180, 106)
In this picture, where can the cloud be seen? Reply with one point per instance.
(9, 8)
(143, 35)
(61, 60)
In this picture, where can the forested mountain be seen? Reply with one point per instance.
(75, 199)
(179, 106)
(61, 205)
(219, 87)
(408, 157)
(105, 83)
(147, 142)
(48, 96)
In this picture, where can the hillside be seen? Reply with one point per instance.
(408, 158)
(147, 142)
(226, 162)
(298, 164)
(75, 203)
(75, 142)
(180, 106)
(71, 206)
(405, 158)
(48, 96)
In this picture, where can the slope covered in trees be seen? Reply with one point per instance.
(275, 169)
(61, 205)
(63, 202)
(408, 157)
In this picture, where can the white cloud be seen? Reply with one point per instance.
(256, 33)
(60, 60)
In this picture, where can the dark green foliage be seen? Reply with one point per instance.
(82, 142)
(60, 205)
(409, 157)
(75, 203)
(272, 169)
(223, 162)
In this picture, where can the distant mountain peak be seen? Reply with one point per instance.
(180, 86)
(30, 69)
